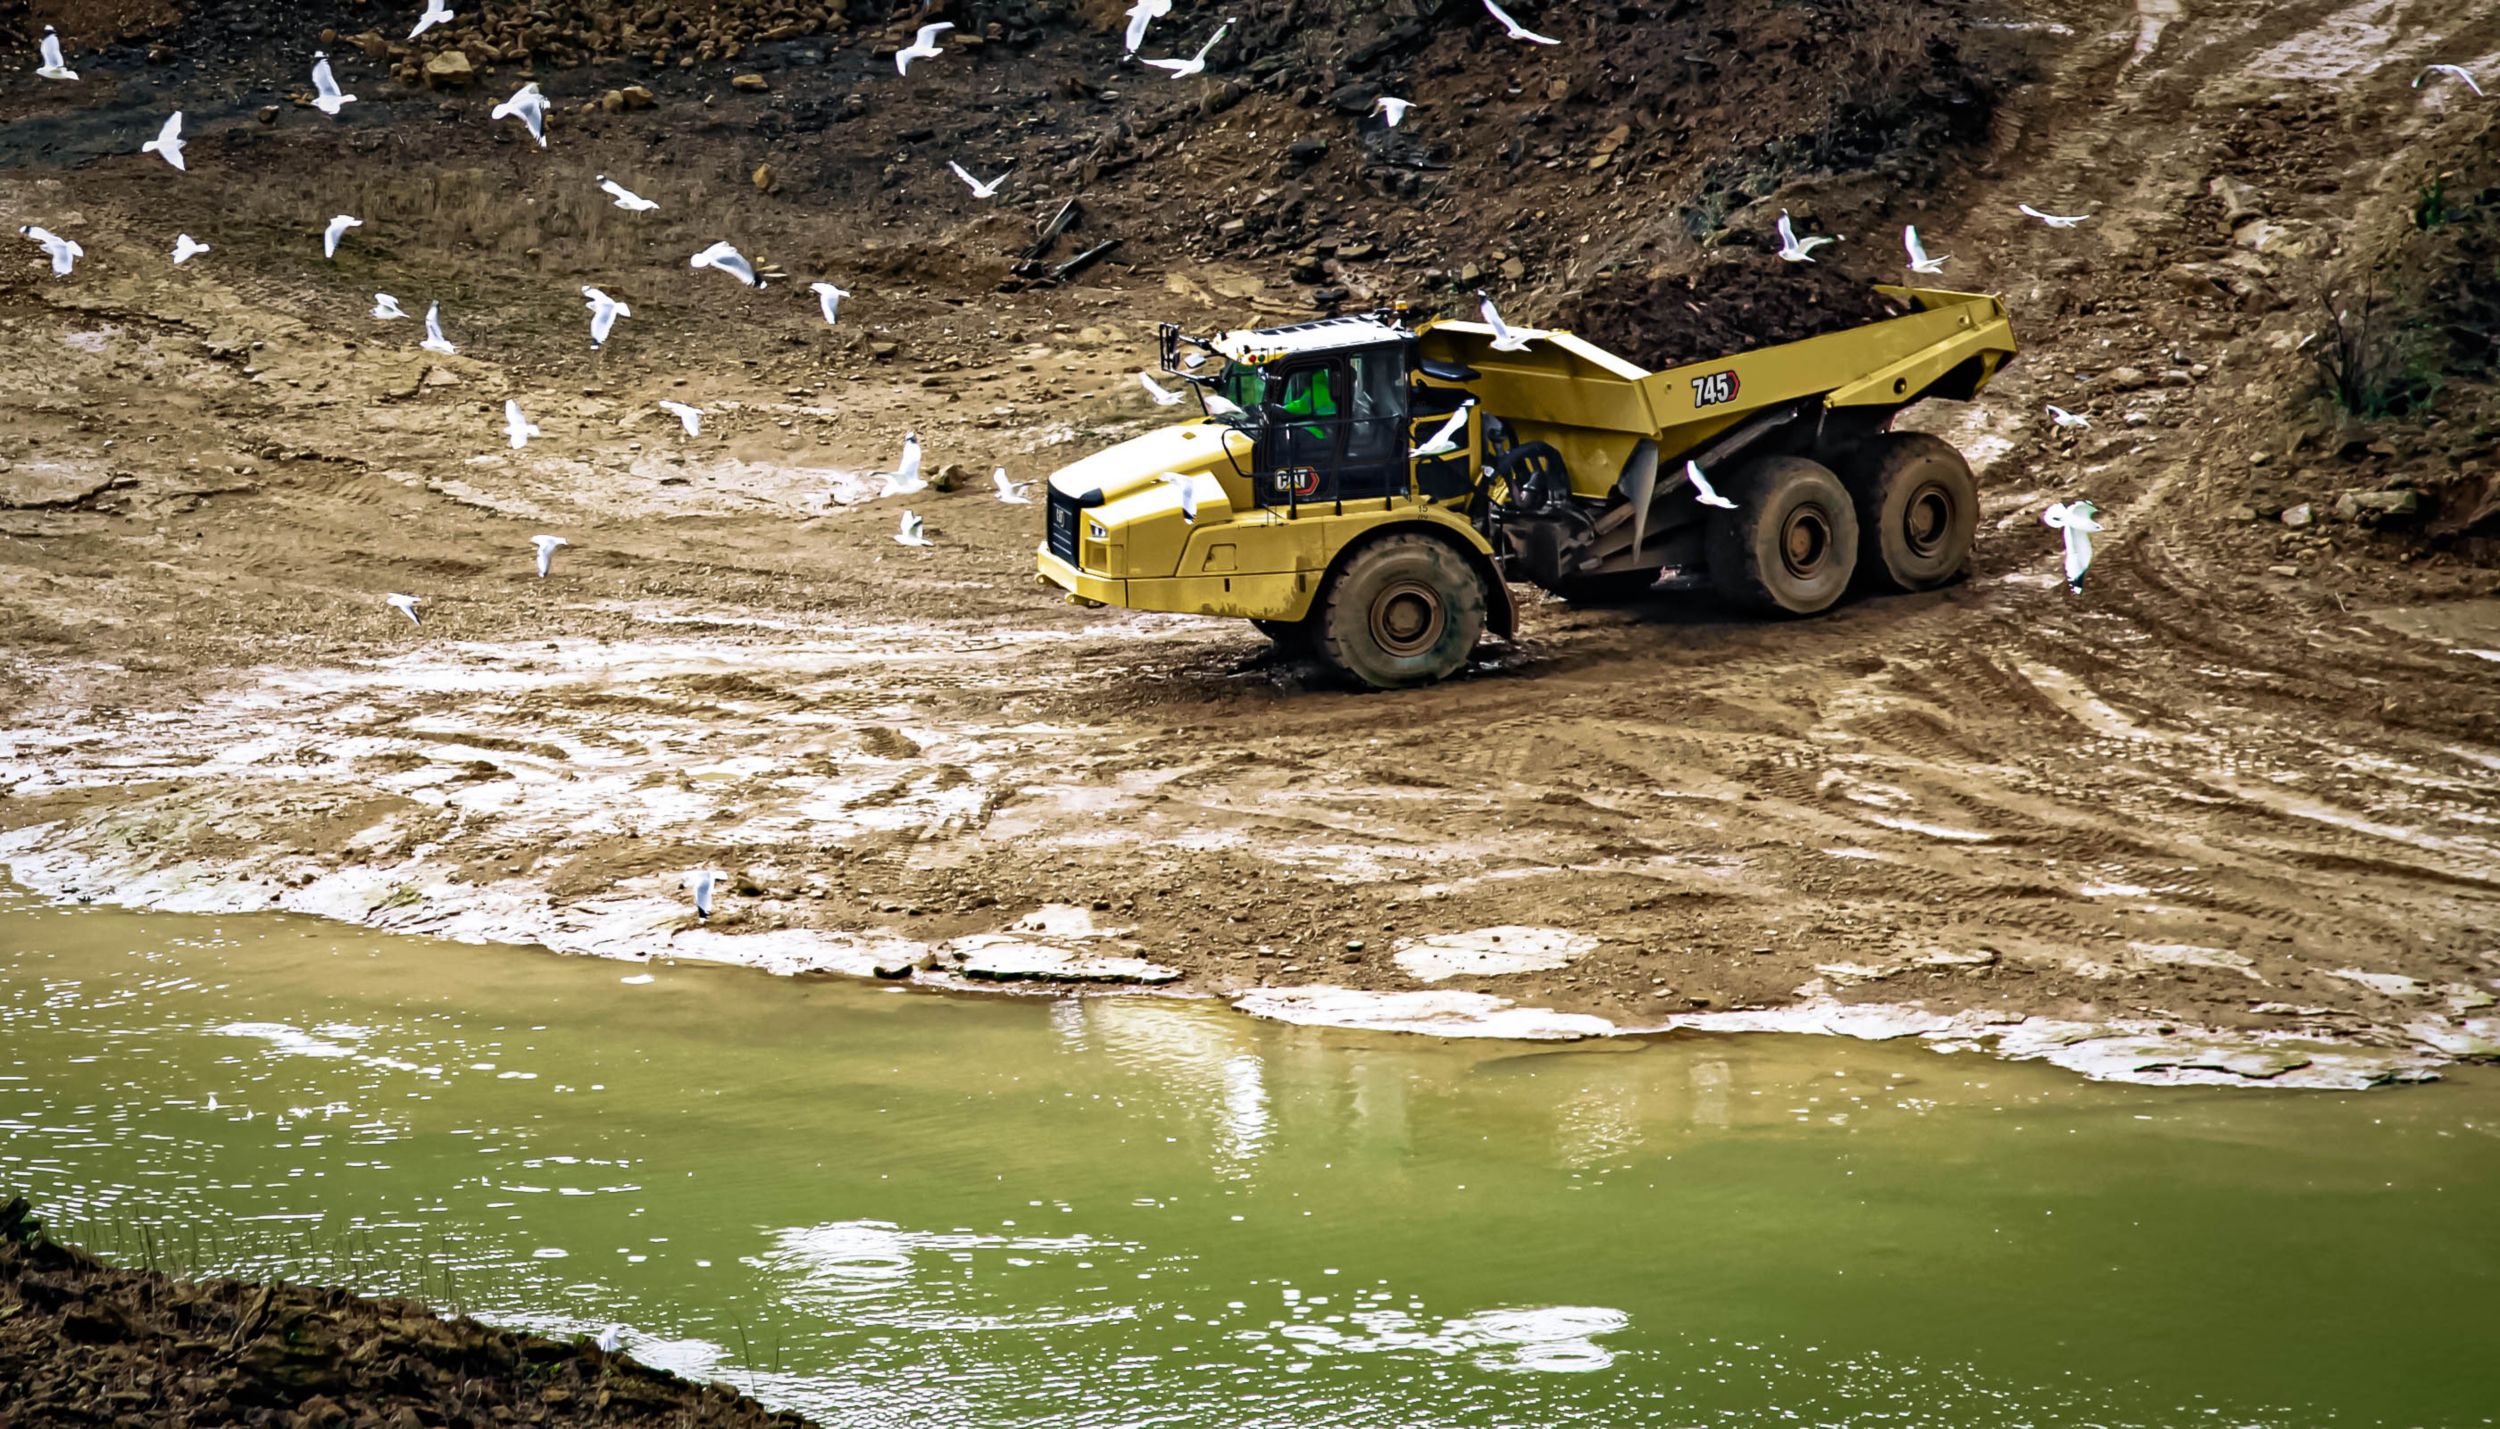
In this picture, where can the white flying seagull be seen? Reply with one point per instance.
(1189, 495)
(691, 418)
(405, 605)
(1140, 15)
(604, 311)
(703, 895)
(1795, 249)
(1446, 440)
(979, 189)
(167, 144)
(1011, 492)
(1517, 30)
(1391, 110)
(326, 96)
(187, 248)
(387, 307)
(729, 260)
(905, 478)
(613, 1335)
(1195, 64)
(1505, 337)
(923, 46)
(829, 298)
(1703, 491)
(547, 551)
(1219, 405)
(436, 13)
(910, 533)
(1164, 396)
(53, 67)
(530, 107)
(2069, 420)
(2053, 220)
(337, 230)
(2075, 519)
(434, 339)
(626, 198)
(516, 428)
(65, 254)
(2456, 71)
(1919, 261)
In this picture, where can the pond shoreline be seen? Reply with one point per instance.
(82, 1341)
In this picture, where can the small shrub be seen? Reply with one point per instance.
(2372, 360)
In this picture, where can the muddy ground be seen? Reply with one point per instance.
(82, 1342)
(2239, 795)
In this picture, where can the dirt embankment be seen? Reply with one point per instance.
(2229, 790)
(84, 1343)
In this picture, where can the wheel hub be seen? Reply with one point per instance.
(1407, 618)
(1926, 519)
(1806, 541)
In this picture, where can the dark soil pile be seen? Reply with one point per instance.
(82, 1342)
(1739, 300)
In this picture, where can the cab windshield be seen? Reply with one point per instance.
(1244, 385)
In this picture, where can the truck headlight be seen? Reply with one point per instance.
(1095, 531)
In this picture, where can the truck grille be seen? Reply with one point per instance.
(1060, 526)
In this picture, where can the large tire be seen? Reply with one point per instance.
(1918, 508)
(1791, 545)
(1404, 610)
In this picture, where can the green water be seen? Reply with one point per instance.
(889, 1208)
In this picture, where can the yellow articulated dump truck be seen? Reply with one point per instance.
(1364, 489)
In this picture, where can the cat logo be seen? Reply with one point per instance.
(1715, 388)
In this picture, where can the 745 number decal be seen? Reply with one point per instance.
(1716, 388)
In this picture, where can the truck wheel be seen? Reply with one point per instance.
(1293, 637)
(1917, 509)
(1791, 544)
(1405, 610)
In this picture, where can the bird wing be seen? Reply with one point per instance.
(1492, 314)
(1212, 40)
(1153, 386)
(929, 33)
(1175, 66)
(52, 51)
(171, 134)
(1138, 19)
(967, 178)
(1909, 240)
(1450, 429)
(1502, 15)
(323, 83)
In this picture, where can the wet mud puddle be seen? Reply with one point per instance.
(880, 1206)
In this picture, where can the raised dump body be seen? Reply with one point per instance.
(1315, 500)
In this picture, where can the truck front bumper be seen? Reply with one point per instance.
(1082, 589)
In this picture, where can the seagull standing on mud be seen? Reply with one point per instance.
(436, 13)
(530, 107)
(434, 339)
(729, 260)
(626, 198)
(703, 895)
(1517, 30)
(337, 230)
(53, 67)
(1195, 64)
(326, 96)
(65, 254)
(690, 418)
(167, 144)
(829, 299)
(905, 478)
(187, 248)
(547, 551)
(1505, 337)
(604, 311)
(911, 533)
(1795, 249)
(1919, 261)
(2075, 519)
(405, 605)
(923, 46)
(517, 429)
